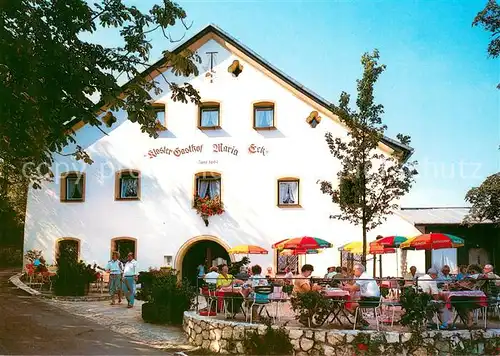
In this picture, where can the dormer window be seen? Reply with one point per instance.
(209, 116)
(161, 122)
(263, 116)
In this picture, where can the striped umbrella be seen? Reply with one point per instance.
(432, 241)
(304, 243)
(247, 250)
(391, 241)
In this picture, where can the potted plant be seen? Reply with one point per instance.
(207, 207)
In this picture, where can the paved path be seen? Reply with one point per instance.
(31, 326)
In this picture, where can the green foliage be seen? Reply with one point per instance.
(234, 268)
(311, 308)
(73, 276)
(167, 298)
(32, 255)
(485, 201)
(274, 342)
(49, 68)
(415, 304)
(11, 257)
(489, 19)
(370, 182)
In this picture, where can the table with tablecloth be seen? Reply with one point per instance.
(475, 298)
(343, 301)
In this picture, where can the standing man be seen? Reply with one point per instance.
(115, 268)
(129, 279)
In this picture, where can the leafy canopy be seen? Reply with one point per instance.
(48, 72)
(370, 182)
(485, 201)
(489, 19)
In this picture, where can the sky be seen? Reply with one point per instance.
(439, 85)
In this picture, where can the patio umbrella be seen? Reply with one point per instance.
(247, 250)
(378, 249)
(304, 242)
(355, 247)
(432, 241)
(295, 252)
(391, 241)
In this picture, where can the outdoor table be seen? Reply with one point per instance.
(231, 293)
(338, 295)
(476, 297)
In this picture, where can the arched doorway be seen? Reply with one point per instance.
(207, 250)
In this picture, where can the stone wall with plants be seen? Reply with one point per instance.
(223, 336)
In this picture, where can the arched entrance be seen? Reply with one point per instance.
(208, 250)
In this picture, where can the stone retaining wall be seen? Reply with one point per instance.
(224, 336)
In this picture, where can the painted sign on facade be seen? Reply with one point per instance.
(216, 148)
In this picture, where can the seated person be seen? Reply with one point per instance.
(288, 278)
(257, 279)
(368, 289)
(412, 275)
(428, 284)
(462, 273)
(341, 273)
(211, 277)
(224, 279)
(242, 275)
(444, 277)
(302, 283)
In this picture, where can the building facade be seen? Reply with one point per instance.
(256, 140)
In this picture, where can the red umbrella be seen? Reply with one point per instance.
(304, 243)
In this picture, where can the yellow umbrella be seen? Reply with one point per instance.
(247, 250)
(353, 247)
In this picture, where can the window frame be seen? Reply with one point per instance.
(208, 176)
(113, 246)
(118, 184)
(62, 239)
(285, 180)
(264, 105)
(160, 107)
(63, 196)
(211, 106)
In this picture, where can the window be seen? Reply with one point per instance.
(209, 116)
(263, 116)
(161, 122)
(208, 184)
(288, 192)
(73, 187)
(282, 262)
(128, 185)
(124, 245)
(68, 247)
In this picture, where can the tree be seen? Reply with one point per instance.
(370, 182)
(489, 19)
(49, 72)
(485, 201)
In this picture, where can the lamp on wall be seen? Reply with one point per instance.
(235, 68)
(167, 261)
(313, 119)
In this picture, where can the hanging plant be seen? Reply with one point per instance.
(159, 126)
(207, 207)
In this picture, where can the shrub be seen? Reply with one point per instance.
(415, 305)
(274, 342)
(11, 257)
(311, 308)
(32, 255)
(73, 276)
(166, 297)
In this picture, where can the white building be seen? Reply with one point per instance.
(250, 140)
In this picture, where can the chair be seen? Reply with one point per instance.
(212, 298)
(366, 305)
(278, 297)
(261, 299)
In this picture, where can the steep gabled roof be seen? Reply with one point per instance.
(213, 29)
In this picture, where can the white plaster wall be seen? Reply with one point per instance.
(163, 219)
